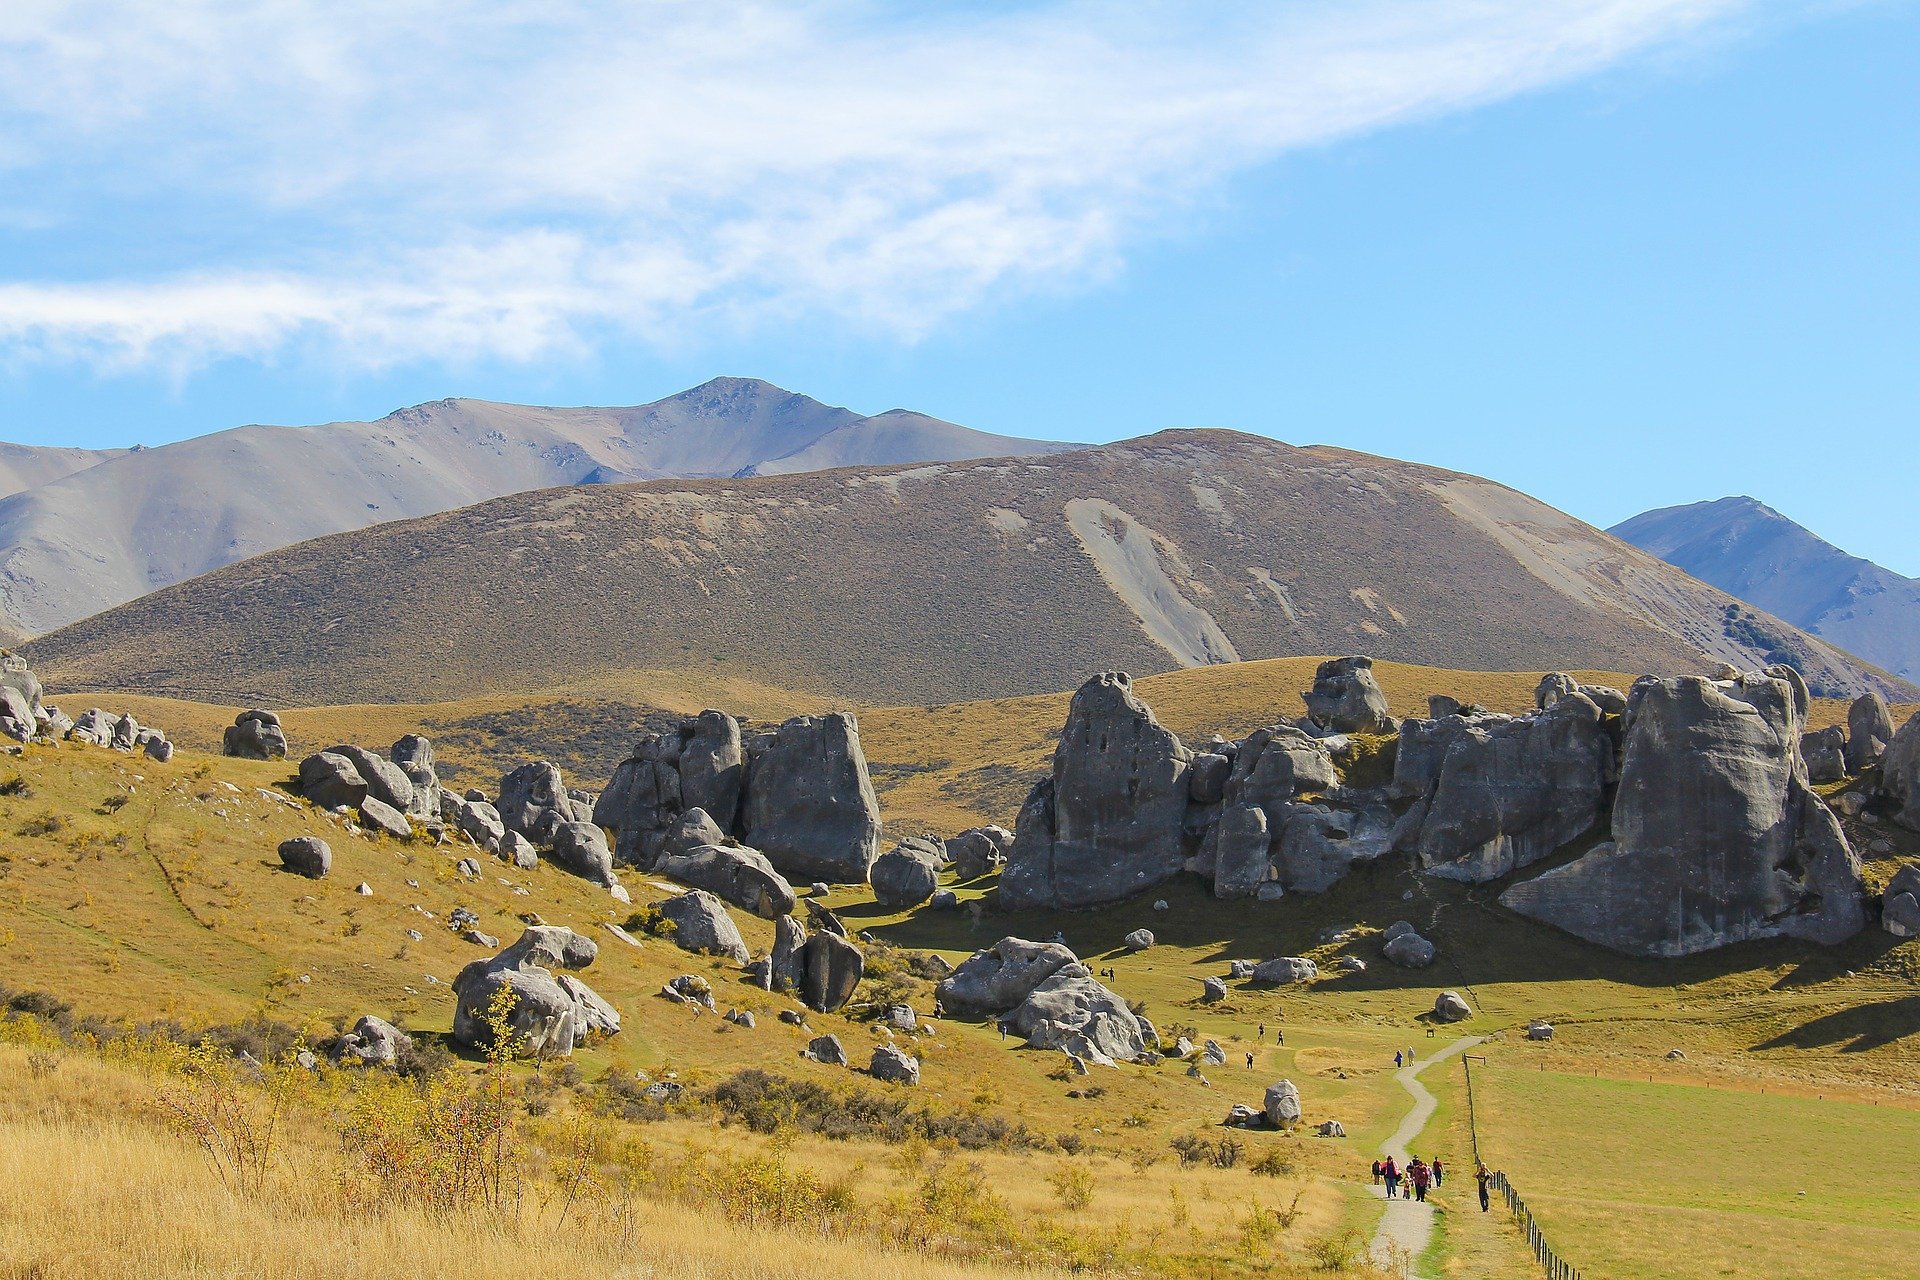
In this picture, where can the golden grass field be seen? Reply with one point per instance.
(138, 890)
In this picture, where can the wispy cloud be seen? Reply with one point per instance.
(410, 179)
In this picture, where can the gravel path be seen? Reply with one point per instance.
(1407, 1225)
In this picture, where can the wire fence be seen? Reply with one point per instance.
(1553, 1265)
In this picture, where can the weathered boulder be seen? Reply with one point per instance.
(1108, 823)
(1557, 685)
(1345, 698)
(787, 963)
(827, 1049)
(1508, 791)
(1900, 773)
(1283, 1104)
(580, 848)
(478, 819)
(894, 1065)
(997, 979)
(1900, 905)
(386, 781)
(1286, 969)
(1212, 990)
(1825, 751)
(1537, 1030)
(255, 735)
(372, 1040)
(809, 804)
(1869, 731)
(517, 849)
(1070, 1011)
(694, 829)
(1318, 845)
(380, 816)
(1242, 851)
(308, 856)
(1449, 1007)
(701, 924)
(1207, 777)
(413, 756)
(534, 801)
(833, 968)
(1138, 940)
(978, 851)
(1409, 950)
(327, 779)
(741, 876)
(159, 749)
(712, 767)
(1717, 837)
(907, 874)
(551, 1013)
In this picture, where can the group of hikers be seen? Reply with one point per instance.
(1414, 1181)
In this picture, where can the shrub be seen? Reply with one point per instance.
(1274, 1164)
(768, 1103)
(1334, 1252)
(17, 787)
(1072, 1185)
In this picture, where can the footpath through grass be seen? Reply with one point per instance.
(1640, 1181)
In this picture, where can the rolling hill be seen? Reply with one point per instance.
(937, 583)
(1752, 551)
(87, 531)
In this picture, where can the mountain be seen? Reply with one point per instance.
(22, 466)
(936, 583)
(1752, 551)
(83, 540)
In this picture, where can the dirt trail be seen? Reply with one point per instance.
(1407, 1225)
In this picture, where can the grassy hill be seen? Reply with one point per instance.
(151, 893)
(935, 583)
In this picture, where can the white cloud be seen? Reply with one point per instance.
(427, 178)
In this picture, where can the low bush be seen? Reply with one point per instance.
(768, 1103)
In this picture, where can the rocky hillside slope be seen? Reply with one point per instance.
(87, 531)
(936, 583)
(1747, 548)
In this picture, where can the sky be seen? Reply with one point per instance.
(1617, 253)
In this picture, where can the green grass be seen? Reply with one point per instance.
(1635, 1180)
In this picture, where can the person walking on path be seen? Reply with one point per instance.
(1439, 1172)
(1263, 1031)
(1391, 1172)
(1376, 1173)
(1420, 1176)
(1398, 1061)
(1484, 1177)
(1280, 1036)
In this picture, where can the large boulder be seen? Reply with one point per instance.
(413, 756)
(1345, 698)
(907, 874)
(255, 735)
(308, 856)
(1900, 773)
(386, 781)
(476, 818)
(327, 779)
(833, 968)
(1448, 1006)
(787, 963)
(535, 802)
(997, 979)
(551, 1012)
(894, 1065)
(580, 848)
(1869, 731)
(1409, 950)
(1108, 823)
(1283, 1104)
(1900, 905)
(1509, 791)
(1557, 685)
(809, 804)
(1319, 845)
(378, 815)
(742, 876)
(1072, 1012)
(978, 851)
(1717, 836)
(1283, 970)
(372, 1041)
(694, 829)
(701, 924)
(1825, 751)
(1242, 851)
(713, 767)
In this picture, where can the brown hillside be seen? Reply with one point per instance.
(934, 583)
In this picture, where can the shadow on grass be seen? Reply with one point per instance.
(1855, 1030)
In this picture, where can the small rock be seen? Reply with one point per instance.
(307, 856)
(1212, 990)
(364, 889)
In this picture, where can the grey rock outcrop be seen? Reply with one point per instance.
(1900, 773)
(978, 851)
(694, 829)
(1717, 837)
(1345, 698)
(1072, 1012)
(833, 968)
(255, 735)
(1494, 794)
(1900, 905)
(1557, 685)
(1408, 949)
(413, 756)
(1869, 731)
(997, 979)
(1319, 845)
(787, 963)
(1138, 940)
(380, 816)
(551, 1012)
(308, 856)
(741, 876)
(894, 1065)
(827, 1049)
(372, 1040)
(1825, 751)
(1449, 1007)
(580, 848)
(712, 767)
(386, 781)
(809, 804)
(535, 802)
(907, 874)
(701, 924)
(1282, 1104)
(1108, 823)
(1286, 969)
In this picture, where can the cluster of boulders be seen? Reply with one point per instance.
(550, 1012)
(255, 735)
(797, 795)
(1692, 797)
(26, 716)
(1041, 991)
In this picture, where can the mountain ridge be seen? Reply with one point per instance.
(1751, 551)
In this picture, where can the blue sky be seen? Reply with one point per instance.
(1617, 253)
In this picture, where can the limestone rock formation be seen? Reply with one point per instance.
(534, 801)
(998, 978)
(551, 1012)
(739, 875)
(308, 856)
(580, 849)
(894, 1065)
(1825, 751)
(378, 815)
(1869, 731)
(1900, 773)
(1072, 1012)
(1319, 844)
(907, 874)
(1900, 905)
(701, 924)
(833, 968)
(827, 1049)
(1108, 823)
(1717, 837)
(386, 781)
(1286, 969)
(1345, 698)
(413, 756)
(1449, 1007)
(255, 735)
(978, 851)
(1283, 1104)
(372, 1040)
(1405, 947)
(809, 804)
(787, 963)
(331, 781)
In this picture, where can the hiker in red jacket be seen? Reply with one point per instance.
(1391, 1172)
(1421, 1176)
(1439, 1173)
